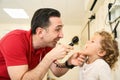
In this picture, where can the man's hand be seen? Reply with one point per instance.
(59, 52)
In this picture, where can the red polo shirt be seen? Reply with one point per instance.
(16, 49)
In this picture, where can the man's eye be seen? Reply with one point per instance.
(92, 41)
(57, 29)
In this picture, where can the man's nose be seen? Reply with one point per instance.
(61, 35)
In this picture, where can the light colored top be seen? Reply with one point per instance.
(98, 70)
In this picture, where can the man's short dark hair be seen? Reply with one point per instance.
(41, 18)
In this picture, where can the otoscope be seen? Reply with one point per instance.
(75, 40)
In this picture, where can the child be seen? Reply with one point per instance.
(102, 52)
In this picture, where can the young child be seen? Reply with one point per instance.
(102, 52)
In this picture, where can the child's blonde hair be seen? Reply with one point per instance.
(109, 45)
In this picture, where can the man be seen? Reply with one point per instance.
(27, 55)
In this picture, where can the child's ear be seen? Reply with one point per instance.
(101, 53)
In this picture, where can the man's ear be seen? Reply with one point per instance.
(39, 31)
(101, 53)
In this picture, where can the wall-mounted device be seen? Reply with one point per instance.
(93, 5)
(115, 30)
(114, 11)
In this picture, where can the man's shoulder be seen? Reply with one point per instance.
(15, 35)
(17, 31)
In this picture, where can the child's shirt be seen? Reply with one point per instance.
(98, 70)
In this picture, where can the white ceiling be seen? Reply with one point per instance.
(72, 11)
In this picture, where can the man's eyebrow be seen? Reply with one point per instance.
(59, 25)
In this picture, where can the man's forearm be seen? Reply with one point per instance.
(39, 72)
(60, 69)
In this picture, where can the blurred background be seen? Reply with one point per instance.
(80, 18)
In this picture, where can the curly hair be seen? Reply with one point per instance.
(109, 45)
